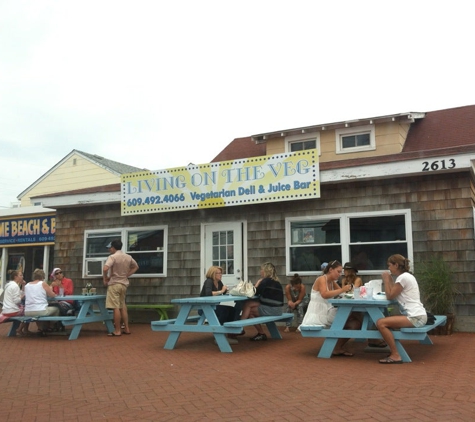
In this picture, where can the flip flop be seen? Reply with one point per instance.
(113, 335)
(343, 354)
(389, 360)
(380, 344)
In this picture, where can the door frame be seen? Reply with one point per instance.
(203, 267)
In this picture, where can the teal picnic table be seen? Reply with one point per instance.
(92, 309)
(372, 309)
(208, 322)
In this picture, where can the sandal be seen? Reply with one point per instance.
(389, 360)
(382, 343)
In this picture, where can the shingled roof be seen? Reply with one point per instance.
(114, 166)
(240, 148)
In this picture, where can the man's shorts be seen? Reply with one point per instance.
(116, 296)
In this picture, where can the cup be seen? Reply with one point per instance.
(93, 291)
(356, 293)
(61, 291)
(84, 292)
(369, 293)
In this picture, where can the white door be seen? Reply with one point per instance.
(224, 248)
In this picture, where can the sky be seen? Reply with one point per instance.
(161, 84)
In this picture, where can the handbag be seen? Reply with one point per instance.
(243, 288)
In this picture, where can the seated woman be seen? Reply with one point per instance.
(320, 312)
(36, 299)
(213, 286)
(12, 297)
(296, 300)
(270, 302)
(406, 291)
(66, 307)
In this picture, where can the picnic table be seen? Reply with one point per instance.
(92, 309)
(208, 322)
(372, 311)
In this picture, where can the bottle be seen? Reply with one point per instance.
(88, 287)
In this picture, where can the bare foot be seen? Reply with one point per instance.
(287, 330)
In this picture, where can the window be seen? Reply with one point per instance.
(302, 142)
(355, 139)
(223, 250)
(147, 245)
(365, 240)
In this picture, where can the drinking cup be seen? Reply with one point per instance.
(369, 293)
(84, 292)
(61, 291)
(93, 291)
(356, 293)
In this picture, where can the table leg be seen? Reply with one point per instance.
(404, 356)
(273, 330)
(338, 324)
(221, 339)
(81, 317)
(180, 320)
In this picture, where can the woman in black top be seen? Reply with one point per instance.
(270, 302)
(213, 286)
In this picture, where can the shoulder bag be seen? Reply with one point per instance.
(244, 288)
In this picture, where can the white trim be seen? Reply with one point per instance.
(345, 235)
(357, 130)
(123, 231)
(397, 168)
(302, 138)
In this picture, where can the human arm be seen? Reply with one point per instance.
(392, 289)
(321, 286)
(49, 290)
(105, 277)
(287, 294)
(68, 286)
(358, 282)
(301, 295)
(133, 267)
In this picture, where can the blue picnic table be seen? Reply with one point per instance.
(208, 322)
(92, 309)
(372, 309)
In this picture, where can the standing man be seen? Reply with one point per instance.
(117, 270)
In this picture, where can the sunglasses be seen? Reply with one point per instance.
(59, 272)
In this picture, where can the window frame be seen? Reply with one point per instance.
(350, 131)
(303, 137)
(123, 232)
(345, 239)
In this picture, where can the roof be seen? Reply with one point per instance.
(110, 165)
(240, 148)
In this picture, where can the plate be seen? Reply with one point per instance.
(349, 295)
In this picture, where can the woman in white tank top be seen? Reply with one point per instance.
(36, 298)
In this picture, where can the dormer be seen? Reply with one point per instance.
(344, 140)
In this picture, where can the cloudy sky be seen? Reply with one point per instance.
(160, 84)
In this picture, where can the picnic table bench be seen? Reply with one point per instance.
(373, 310)
(185, 322)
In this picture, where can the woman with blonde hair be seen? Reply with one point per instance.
(270, 301)
(36, 299)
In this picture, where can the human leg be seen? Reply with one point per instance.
(384, 326)
(113, 301)
(249, 307)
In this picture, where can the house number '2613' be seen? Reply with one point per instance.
(438, 165)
